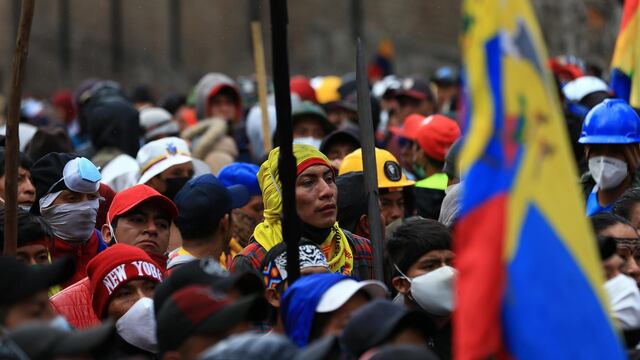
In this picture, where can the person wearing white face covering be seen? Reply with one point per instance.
(67, 199)
(421, 257)
(123, 279)
(310, 124)
(611, 139)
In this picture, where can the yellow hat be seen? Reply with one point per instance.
(390, 174)
(328, 89)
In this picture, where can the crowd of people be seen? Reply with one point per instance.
(152, 229)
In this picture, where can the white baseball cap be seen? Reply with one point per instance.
(342, 291)
(159, 155)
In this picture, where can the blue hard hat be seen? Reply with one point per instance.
(240, 173)
(613, 121)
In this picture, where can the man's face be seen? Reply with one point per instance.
(127, 295)
(308, 127)
(338, 151)
(223, 105)
(392, 206)
(33, 308)
(72, 197)
(340, 317)
(26, 190)
(408, 105)
(159, 182)
(146, 226)
(627, 248)
(431, 261)
(317, 196)
(33, 254)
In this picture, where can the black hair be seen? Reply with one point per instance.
(415, 238)
(624, 205)
(30, 228)
(602, 221)
(24, 161)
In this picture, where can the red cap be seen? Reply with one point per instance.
(436, 134)
(410, 126)
(114, 267)
(302, 86)
(129, 198)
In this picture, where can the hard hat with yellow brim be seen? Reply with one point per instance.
(390, 175)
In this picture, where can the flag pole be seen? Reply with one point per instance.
(286, 161)
(261, 75)
(12, 141)
(369, 163)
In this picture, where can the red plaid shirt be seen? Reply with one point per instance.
(251, 257)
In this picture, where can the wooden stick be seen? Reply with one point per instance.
(261, 74)
(12, 141)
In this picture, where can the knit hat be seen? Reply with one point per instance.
(436, 134)
(114, 267)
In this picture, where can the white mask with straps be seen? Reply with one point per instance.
(138, 326)
(607, 172)
(624, 296)
(308, 140)
(433, 291)
(73, 223)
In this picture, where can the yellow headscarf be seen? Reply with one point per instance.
(269, 232)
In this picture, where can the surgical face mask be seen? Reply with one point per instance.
(174, 185)
(624, 296)
(608, 172)
(138, 326)
(59, 322)
(433, 291)
(73, 223)
(25, 207)
(308, 140)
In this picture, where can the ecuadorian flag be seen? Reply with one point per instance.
(530, 280)
(625, 83)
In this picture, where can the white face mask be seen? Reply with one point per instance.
(433, 291)
(73, 223)
(138, 326)
(309, 140)
(608, 172)
(624, 296)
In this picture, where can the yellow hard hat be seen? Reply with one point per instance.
(327, 91)
(390, 174)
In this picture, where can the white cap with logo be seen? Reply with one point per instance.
(159, 155)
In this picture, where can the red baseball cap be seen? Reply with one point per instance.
(130, 198)
(409, 128)
(436, 134)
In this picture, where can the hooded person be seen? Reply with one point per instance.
(319, 305)
(218, 97)
(123, 279)
(34, 238)
(274, 273)
(316, 204)
(67, 198)
(138, 216)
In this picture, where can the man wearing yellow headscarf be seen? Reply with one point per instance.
(316, 204)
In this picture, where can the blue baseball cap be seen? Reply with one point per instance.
(240, 173)
(206, 199)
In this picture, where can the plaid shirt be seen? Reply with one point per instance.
(251, 257)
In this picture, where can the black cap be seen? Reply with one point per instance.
(198, 309)
(252, 346)
(416, 89)
(327, 347)
(47, 171)
(42, 341)
(404, 352)
(378, 321)
(206, 272)
(352, 199)
(348, 134)
(19, 281)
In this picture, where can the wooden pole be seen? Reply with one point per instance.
(261, 74)
(369, 163)
(286, 161)
(12, 141)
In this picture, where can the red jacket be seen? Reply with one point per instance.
(82, 254)
(74, 303)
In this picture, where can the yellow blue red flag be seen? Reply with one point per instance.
(625, 80)
(530, 280)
